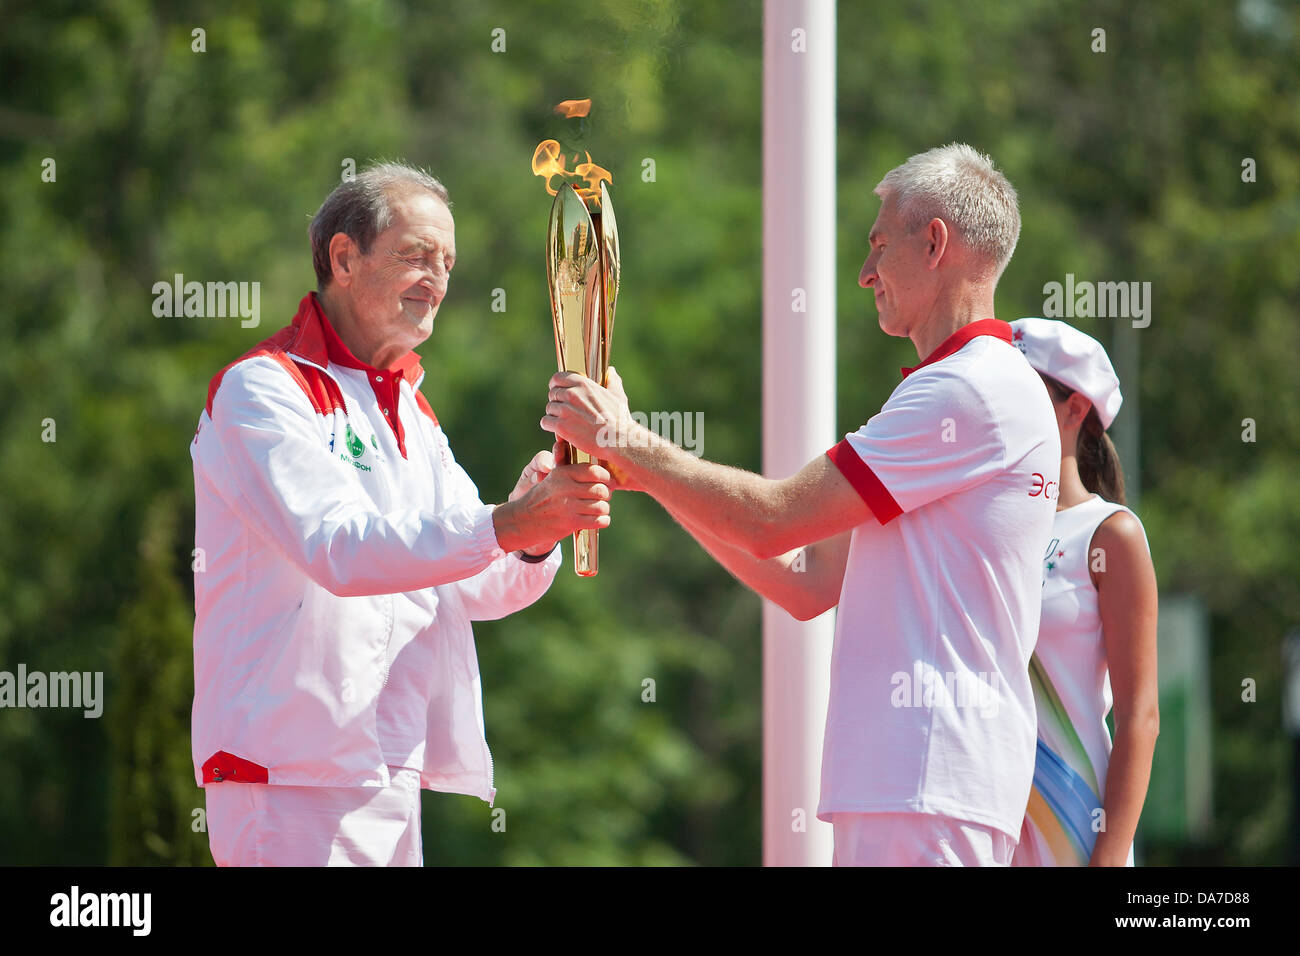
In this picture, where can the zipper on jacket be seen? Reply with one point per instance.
(388, 641)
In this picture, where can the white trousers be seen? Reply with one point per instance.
(917, 839)
(255, 824)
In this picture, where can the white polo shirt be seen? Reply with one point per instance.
(931, 709)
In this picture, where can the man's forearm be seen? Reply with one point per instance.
(736, 507)
(793, 580)
(762, 517)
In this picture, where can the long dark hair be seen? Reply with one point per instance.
(1099, 466)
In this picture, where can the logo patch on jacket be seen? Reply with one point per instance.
(355, 448)
(355, 444)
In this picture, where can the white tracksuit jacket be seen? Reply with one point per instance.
(342, 559)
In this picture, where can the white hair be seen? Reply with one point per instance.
(959, 185)
(361, 208)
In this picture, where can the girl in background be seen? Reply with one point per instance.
(1097, 636)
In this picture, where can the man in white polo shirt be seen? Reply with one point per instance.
(925, 527)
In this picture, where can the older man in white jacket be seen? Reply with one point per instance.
(346, 553)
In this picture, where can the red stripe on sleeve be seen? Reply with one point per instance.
(865, 482)
(222, 766)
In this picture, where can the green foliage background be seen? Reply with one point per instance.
(210, 165)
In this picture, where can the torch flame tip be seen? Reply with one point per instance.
(549, 161)
(571, 109)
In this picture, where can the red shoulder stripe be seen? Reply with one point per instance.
(274, 344)
(425, 406)
(321, 390)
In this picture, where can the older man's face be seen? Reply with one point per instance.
(402, 280)
(896, 272)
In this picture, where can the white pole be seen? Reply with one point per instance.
(798, 395)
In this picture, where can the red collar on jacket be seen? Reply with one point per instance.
(318, 342)
(311, 338)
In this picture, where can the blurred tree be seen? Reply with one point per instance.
(158, 815)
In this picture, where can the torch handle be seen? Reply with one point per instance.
(584, 541)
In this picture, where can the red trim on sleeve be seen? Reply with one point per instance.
(865, 482)
(222, 766)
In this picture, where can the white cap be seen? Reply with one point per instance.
(1073, 358)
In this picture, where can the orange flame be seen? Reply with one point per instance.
(573, 108)
(549, 162)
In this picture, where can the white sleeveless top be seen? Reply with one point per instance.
(1072, 695)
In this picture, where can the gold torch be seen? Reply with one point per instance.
(582, 272)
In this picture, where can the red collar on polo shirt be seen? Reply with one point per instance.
(994, 327)
(386, 383)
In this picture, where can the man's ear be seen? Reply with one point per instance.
(343, 258)
(936, 242)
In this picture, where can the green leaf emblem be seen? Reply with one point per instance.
(355, 444)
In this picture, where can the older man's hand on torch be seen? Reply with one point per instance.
(551, 502)
(543, 464)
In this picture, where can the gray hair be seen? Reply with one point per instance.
(360, 209)
(959, 185)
